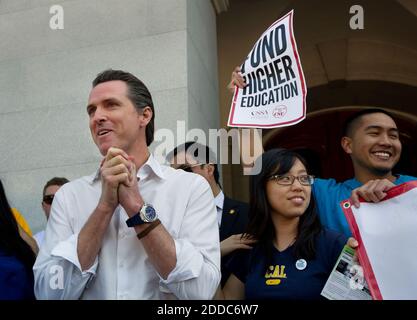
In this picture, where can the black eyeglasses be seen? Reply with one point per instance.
(287, 180)
(48, 198)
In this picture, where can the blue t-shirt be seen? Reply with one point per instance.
(328, 195)
(282, 280)
(16, 281)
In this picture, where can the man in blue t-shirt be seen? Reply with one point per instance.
(371, 138)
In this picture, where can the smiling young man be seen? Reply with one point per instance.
(134, 229)
(371, 138)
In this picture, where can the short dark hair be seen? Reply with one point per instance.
(208, 155)
(137, 92)
(55, 181)
(352, 121)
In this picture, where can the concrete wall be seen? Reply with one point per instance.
(46, 76)
(201, 57)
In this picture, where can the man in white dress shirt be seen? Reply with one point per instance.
(124, 233)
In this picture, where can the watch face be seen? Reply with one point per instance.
(150, 213)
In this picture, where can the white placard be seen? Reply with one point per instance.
(275, 95)
(387, 233)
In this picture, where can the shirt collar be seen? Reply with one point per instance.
(219, 200)
(149, 167)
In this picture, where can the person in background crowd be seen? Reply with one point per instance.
(232, 215)
(17, 255)
(49, 190)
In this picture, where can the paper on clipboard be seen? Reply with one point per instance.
(387, 235)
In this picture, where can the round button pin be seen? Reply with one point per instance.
(301, 264)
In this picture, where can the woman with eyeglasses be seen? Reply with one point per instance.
(17, 256)
(294, 255)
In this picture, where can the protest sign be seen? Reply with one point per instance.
(387, 237)
(276, 91)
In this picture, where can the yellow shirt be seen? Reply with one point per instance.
(21, 221)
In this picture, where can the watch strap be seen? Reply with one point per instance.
(150, 227)
(134, 221)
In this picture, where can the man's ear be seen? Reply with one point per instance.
(346, 144)
(147, 114)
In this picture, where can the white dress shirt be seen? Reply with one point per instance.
(219, 201)
(39, 237)
(122, 269)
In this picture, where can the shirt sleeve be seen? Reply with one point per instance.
(239, 264)
(335, 242)
(197, 271)
(328, 194)
(338, 245)
(16, 281)
(57, 270)
(321, 189)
